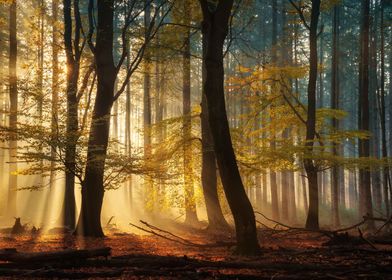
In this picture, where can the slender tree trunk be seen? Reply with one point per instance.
(128, 129)
(365, 199)
(147, 109)
(312, 220)
(285, 195)
(190, 203)
(55, 88)
(335, 92)
(215, 29)
(304, 192)
(40, 80)
(13, 116)
(273, 180)
(73, 66)
(383, 119)
(89, 223)
(374, 113)
(216, 219)
(292, 198)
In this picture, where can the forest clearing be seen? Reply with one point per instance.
(209, 139)
(285, 254)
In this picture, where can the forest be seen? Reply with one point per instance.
(184, 139)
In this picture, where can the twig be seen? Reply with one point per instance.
(165, 231)
(325, 232)
(366, 240)
(386, 222)
(181, 240)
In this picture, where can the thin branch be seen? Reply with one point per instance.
(300, 13)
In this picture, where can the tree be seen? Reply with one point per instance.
(274, 59)
(215, 28)
(209, 168)
(147, 116)
(335, 90)
(89, 223)
(312, 220)
(13, 117)
(383, 119)
(73, 52)
(190, 204)
(55, 86)
(365, 199)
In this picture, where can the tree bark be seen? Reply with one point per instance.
(365, 199)
(73, 69)
(147, 118)
(216, 219)
(335, 92)
(13, 116)
(215, 29)
(312, 220)
(273, 180)
(55, 88)
(89, 223)
(383, 119)
(190, 203)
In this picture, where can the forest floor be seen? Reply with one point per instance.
(204, 254)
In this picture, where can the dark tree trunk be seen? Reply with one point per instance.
(216, 220)
(55, 88)
(215, 29)
(40, 79)
(89, 223)
(73, 66)
(374, 114)
(190, 203)
(383, 119)
(365, 199)
(13, 116)
(147, 118)
(274, 59)
(312, 220)
(335, 92)
(128, 123)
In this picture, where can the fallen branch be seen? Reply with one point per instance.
(388, 221)
(152, 230)
(366, 240)
(165, 231)
(324, 232)
(54, 273)
(12, 255)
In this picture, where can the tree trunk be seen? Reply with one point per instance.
(273, 180)
(335, 92)
(149, 195)
(55, 88)
(312, 220)
(190, 203)
(13, 116)
(73, 66)
(216, 220)
(285, 195)
(292, 198)
(214, 29)
(365, 199)
(89, 223)
(383, 119)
